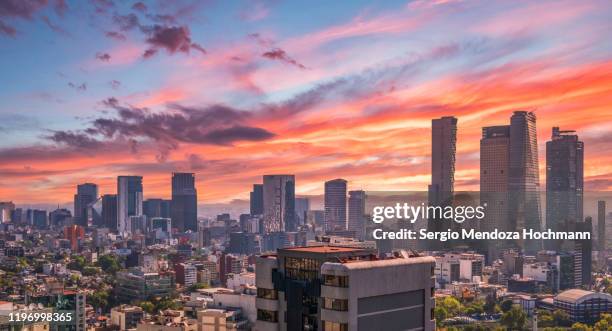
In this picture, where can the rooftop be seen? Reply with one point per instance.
(578, 296)
(324, 249)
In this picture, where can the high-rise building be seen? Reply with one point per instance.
(523, 177)
(156, 208)
(74, 233)
(129, 201)
(356, 213)
(601, 225)
(494, 153)
(564, 180)
(335, 204)
(257, 204)
(302, 206)
(86, 195)
(184, 202)
(6, 211)
(38, 218)
(109, 211)
(331, 288)
(59, 217)
(279, 203)
(443, 151)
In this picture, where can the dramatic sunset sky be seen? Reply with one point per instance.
(232, 90)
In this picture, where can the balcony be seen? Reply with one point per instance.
(334, 316)
(334, 292)
(266, 304)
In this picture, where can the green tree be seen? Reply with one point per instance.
(147, 306)
(477, 307)
(604, 323)
(98, 299)
(561, 318)
(514, 319)
(440, 313)
(109, 263)
(506, 305)
(452, 306)
(580, 327)
(78, 263)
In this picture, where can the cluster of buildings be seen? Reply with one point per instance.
(123, 262)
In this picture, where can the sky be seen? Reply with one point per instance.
(233, 90)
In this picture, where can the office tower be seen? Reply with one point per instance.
(302, 206)
(279, 203)
(129, 201)
(584, 248)
(443, 150)
(156, 208)
(184, 202)
(59, 217)
(38, 218)
(74, 233)
(257, 204)
(335, 205)
(17, 216)
(242, 243)
(494, 153)
(186, 274)
(601, 225)
(356, 213)
(523, 177)
(86, 195)
(564, 180)
(109, 211)
(332, 288)
(6, 211)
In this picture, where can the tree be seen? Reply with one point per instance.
(477, 307)
(506, 305)
(98, 299)
(514, 319)
(452, 306)
(561, 318)
(581, 327)
(147, 306)
(109, 263)
(440, 313)
(604, 323)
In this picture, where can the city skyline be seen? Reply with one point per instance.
(290, 94)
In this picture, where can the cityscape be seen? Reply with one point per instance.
(289, 165)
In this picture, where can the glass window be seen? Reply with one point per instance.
(333, 326)
(337, 281)
(267, 315)
(335, 304)
(265, 293)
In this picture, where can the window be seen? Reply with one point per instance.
(333, 326)
(302, 268)
(335, 304)
(265, 293)
(337, 281)
(267, 316)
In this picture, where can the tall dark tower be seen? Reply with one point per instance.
(279, 203)
(86, 194)
(335, 204)
(564, 181)
(109, 211)
(129, 201)
(494, 153)
(256, 200)
(184, 206)
(601, 225)
(523, 177)
(443, 151)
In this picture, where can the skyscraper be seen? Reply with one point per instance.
(356, 213)
(86, 194)
(278, 203)
(184, 202)
(443, 150)
(523, 177)
(601, 225)
(256, 200)
(494, 153)
(564, 180)
(129, 201)
(335, 204)
(109, 211)
(302, 206)
(156, 208)
(6, 211)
